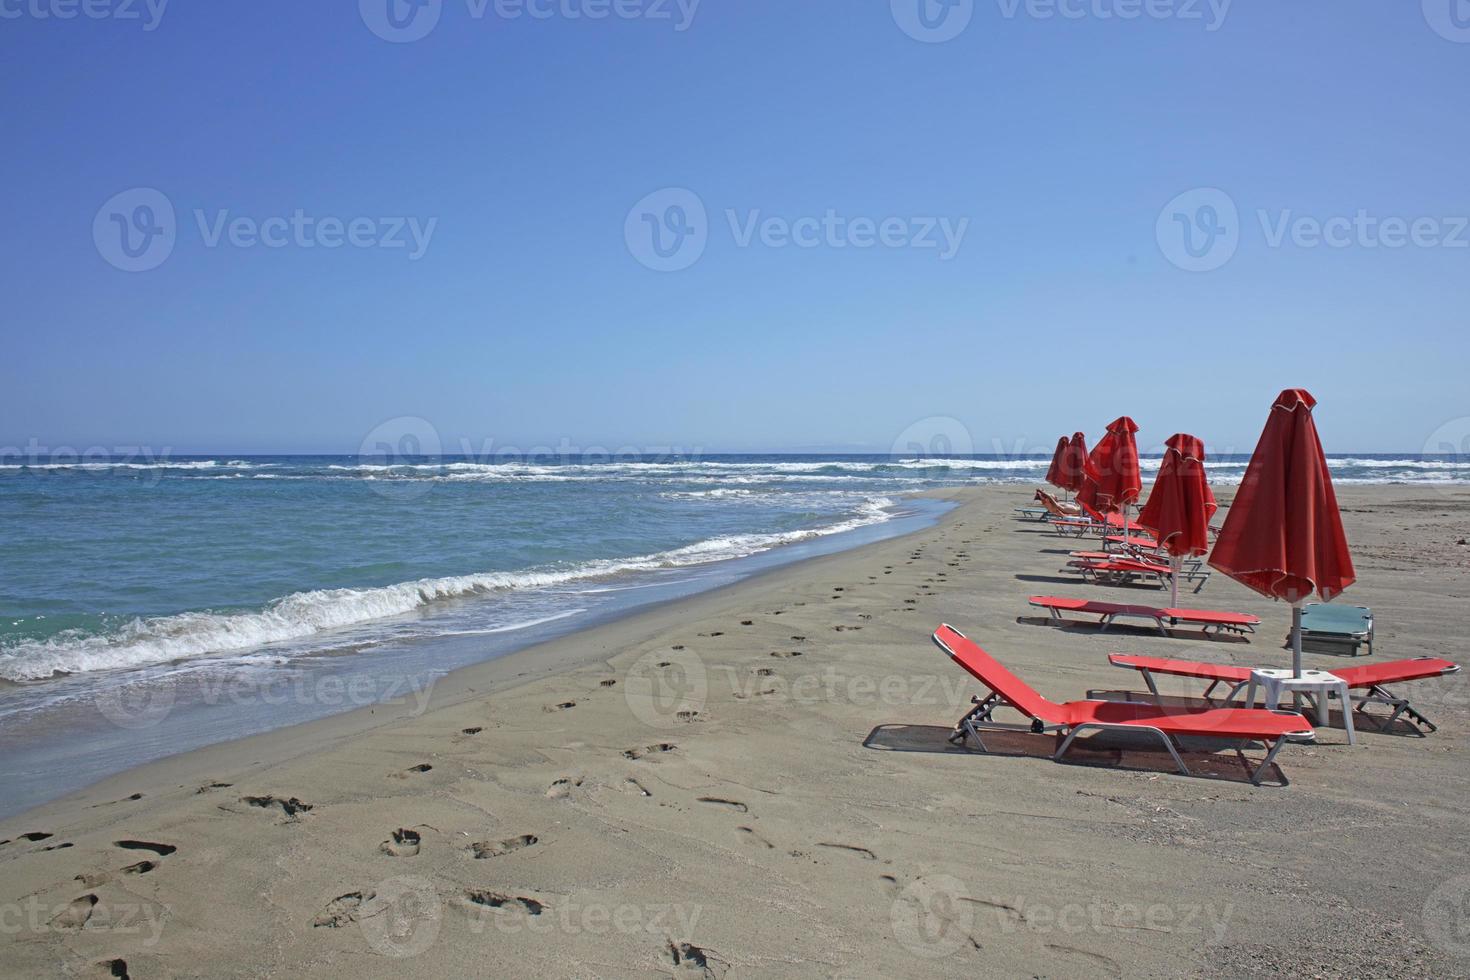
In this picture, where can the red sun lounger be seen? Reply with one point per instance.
(1207, 619)
(1109, 569)
(1272, 729)
(1372, 678)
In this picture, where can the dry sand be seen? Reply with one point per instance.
(563, 812)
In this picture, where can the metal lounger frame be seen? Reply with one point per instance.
(1107, 620)
(979, 717)
(1377, 694)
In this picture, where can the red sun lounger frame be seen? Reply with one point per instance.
(1164, 619)
(1372, 678)
(1272, 729)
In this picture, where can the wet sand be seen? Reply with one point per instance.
(757, 782)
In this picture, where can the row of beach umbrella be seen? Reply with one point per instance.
(1283, 533)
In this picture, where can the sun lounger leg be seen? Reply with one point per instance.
(1265, 763)
(1148, 678)
(1420, 725)
(1168, 743)
(966, 726)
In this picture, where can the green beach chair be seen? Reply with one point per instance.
(1350, 626)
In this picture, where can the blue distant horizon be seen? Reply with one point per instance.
(758, 227)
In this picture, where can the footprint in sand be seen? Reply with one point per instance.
(561, 789)
(291, 807)
(495, 900)
(117, 968)
(763, 671)
(798, 639)
(735, 805)
(494, 849)
(608, 683)
(747, 622)
(162, 850)
(419, 769)
(401, 843)
(342, 910)
(564, 706)
(861, 852)
(649, 750)
(212, 785)
(749, 835)
(75, 914)
(787, 653)
(692, 960)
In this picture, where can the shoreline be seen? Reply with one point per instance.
(531, 654)
(764, 788)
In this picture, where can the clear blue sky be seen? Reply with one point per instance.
(529, 319)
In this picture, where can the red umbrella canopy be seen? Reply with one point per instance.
(1111, 480)
(1074, 461)
(1283, 536)
(1181, 503)
(1054, 473)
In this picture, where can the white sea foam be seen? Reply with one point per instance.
(306, 614)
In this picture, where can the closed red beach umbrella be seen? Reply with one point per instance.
(1054, 473)
(1181, 503)
(1074, 461)
(1111, 480)
(1283, 536)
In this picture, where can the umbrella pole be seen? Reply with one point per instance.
(1296, 639)
(1175, 562)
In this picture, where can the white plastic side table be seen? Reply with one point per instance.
(1276, 683)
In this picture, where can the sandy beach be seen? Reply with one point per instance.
(756, 782)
